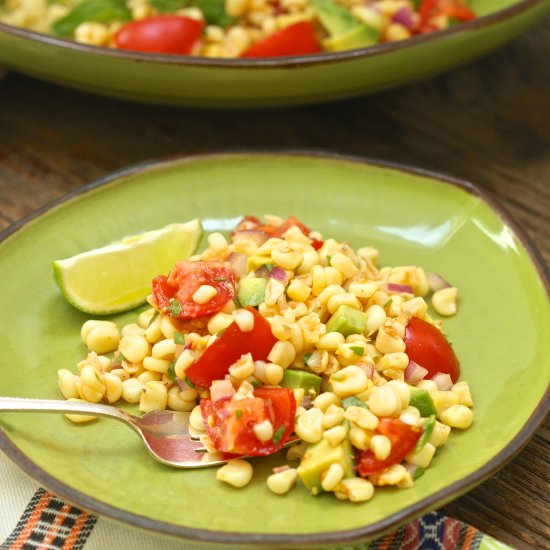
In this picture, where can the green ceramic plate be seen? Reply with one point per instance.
(500, 334)
(251, 83)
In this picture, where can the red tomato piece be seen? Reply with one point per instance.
(182, 282)
(230, 424)
(453, 9)
(403, 437)
(214, 363)
(172, 34)
(297, 39)
(427, 347)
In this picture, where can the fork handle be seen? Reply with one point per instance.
(24, 404)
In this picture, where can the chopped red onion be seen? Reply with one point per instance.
(278, 273)
(404, 16)
(414, 373)
(443, 381)
(237, 261)
(256, 235)
(369, 370)
(436, 281)
(394, 287)
(306, 402)
(280, 469)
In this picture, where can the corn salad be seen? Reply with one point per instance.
(366, 414)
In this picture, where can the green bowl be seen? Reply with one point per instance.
(500, 334)
(244, 83)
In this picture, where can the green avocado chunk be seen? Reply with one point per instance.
(357, 37)
(422, 400)
(294, 378)
(428, 429)
(317, 460)
(347, 320)
(251, 291)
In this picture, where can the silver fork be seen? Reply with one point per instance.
(167, 435)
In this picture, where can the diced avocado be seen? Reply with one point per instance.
(422, 400)
(357, 37)
(428, 429)
(294, 378)
(251, 291)
(319, 457)
(353, 401)
(347, 320)
(254, 262)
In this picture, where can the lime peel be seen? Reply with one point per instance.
(117, 277)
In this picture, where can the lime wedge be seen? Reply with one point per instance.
(118, 277)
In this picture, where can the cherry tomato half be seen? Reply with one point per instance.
(230, 424)
(160, 34)
(297, 39)
(174, 294)
(403, 437)
(214, 363)
(453, 9)
(427, 347)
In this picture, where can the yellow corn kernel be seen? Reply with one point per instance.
(309, 425)
(145, 317)
(166, 325)
(243, 367)
(429, 385)
(101, 336)
(355, 489)
(380, 445)
(342, 299)
(185, 360)
(457, 416)
(92, 378)
(273, 373)
(350, 380)
(332, 476)
(324, 400)
(344, 265)
(237, 473)
(392, 476)
(330, 341)
(363, 289)
(131, 390)
(395, 32)
(439, 434)
(318, 280)
(244, 320)
(384, 401)
(298, 290)
(443, 400)
(113, 387)
(361, 417)
(93, 33)
(176, 403)
(402, 389)
(134, 348)
(154, 397)
(79, 418)
(335, 435)
(286, 258)
(310, 257)
(273, 291)
(444, 301)
(375, 317)
(423, 457)
(204, 294)
(216, 241)
(462, 389)
(196, 420)
(263, 430)
(411, 416)
(132, 329)
(296, 337)
(333, 416)
(282, 353)
(330, 291)
(417, 307)
(280, 483)
(149, 376)
(218, 322)
(157, 365)
(66, 382)
(388, 343)
(398, 360)
(152, 332)
(164, 349)
(359, 438)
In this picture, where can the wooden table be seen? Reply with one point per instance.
(488, 122)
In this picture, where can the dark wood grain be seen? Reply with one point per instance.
(488, 122)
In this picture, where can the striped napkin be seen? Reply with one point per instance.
(31, 518)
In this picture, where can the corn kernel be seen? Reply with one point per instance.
(444, 301)
(237, 473)
(457, 416)
(280, 483)
(332, 477)
(204, 294)
(423, 457)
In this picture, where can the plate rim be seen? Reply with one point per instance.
(294, 62)
(346, 536)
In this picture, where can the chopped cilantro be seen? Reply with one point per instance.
(418, 472)
(256, 384)
(238, 414)
(171, 371)
(353, 402)
(358, 350)
(152, 319)
(307, 356)
(179, 338)
(329, 258)
(175, 308)
(189, 383)
(388, 303)
(278, 434)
